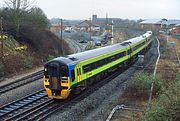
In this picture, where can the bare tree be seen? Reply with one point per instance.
(19, 4)
(18, 7)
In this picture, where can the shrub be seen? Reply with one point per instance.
(167, 106)
(28, 62)
(1, 70)
(50, 57)
(141, 84)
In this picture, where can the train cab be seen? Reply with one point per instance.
(56, 79)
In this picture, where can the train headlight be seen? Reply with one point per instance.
(45, 69)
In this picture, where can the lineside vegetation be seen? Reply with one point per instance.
(166, 102)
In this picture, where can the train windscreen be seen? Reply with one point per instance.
(55, 70)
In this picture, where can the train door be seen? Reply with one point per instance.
(54, 76)
(78, 70)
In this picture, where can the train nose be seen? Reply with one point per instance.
(57, 89)
(56, 93)
(55, 83)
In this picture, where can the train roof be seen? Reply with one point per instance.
(97, 52)
(74, 58)
(137, 39)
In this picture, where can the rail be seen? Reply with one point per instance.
(20, 82)
(43, 112)
(154, 74)
(13, 109)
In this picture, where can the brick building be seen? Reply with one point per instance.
(158, 24)
(175, 30)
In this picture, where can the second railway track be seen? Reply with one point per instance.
(15, 108)
(20, 82)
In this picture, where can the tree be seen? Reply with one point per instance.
(19, 4)
(34, 24)
(36, 16)
(27, 25)
(17, 8)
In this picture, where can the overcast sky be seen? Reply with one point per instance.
(131, 9)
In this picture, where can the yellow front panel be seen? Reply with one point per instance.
(63, 94)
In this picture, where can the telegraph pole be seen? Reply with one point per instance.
(90, 29)
(61, 38)
(112, 29)
(1, 34)
(106, 22)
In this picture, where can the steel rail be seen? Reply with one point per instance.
(20, 82)
(15, 107)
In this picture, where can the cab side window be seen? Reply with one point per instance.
(72, 75)
(63, 71)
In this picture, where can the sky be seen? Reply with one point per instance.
(125, 9)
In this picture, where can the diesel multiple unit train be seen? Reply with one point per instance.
(66, 74)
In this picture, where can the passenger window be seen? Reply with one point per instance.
(93, 66)
(102, 62)
(129, 51)
(112, 58)
(86, 68)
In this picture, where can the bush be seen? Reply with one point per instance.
(28, 62)
(1, 70)
(167, 106)
(50, 57)
(141, 84)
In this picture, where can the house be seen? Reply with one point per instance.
(87, 26)
(153, 24)
(158, 24)
(55, 28)
(175, 30)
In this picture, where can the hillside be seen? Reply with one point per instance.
(29, 42)
(20, 57)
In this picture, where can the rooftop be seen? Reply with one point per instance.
(161, 21)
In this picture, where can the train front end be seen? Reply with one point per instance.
(56, 80)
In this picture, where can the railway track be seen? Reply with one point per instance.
(20, 82)
(21, 106)
(78, 98)
(30, 78)
(74, 45)
(38, 106)
(73, 100)
(78, 47)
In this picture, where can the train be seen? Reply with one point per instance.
(4, 37)
(73, 73)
